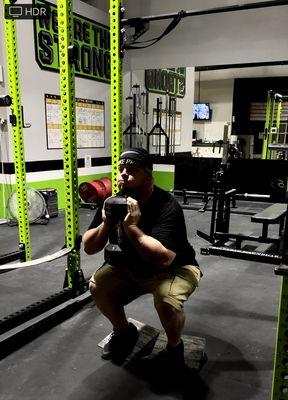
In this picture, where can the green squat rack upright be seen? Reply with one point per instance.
(280, 373)
(275, 144)
(16, 120)
(74, 275)
(116, 56)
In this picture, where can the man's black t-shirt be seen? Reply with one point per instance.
(162, 218)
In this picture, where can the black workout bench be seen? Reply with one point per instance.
(274, 214)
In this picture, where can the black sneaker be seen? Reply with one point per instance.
(120, 344)
(172, 358)
(170, 369)
(175, 356)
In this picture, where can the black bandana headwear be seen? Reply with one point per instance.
(138, 157)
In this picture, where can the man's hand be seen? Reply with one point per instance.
(134, 213)
(150, 248)
(105, 219)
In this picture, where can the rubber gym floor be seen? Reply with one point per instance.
(234, 309)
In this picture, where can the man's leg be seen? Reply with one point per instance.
(109, 307)
(170, 292)
(172, 320)
(111, 289)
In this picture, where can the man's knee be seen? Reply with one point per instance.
(93, 288)
(103, 294)
(166, 308)
(166, 301)
(96, 291)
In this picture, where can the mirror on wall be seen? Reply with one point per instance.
(192, 107)
(158, 108)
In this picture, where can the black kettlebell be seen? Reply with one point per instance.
(116, 208)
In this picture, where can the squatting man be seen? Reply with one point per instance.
(156, 257)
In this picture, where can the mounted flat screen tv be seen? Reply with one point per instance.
(202, 112)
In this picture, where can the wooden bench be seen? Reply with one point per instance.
(274, 214)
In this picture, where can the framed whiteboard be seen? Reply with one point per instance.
(90, 123)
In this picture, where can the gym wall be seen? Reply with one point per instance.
(250, 36)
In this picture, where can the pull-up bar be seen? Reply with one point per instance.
(215, 10)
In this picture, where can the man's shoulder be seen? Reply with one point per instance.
(161, 193)
(165, 197)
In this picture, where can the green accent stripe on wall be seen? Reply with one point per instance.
(7, 188)
(162, 178)
(58, 185)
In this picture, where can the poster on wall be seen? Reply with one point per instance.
(168, 128)
(90, 126)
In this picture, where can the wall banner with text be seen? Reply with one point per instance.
(170, 81)
(91, 38)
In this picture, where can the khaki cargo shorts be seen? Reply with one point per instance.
(122, 286)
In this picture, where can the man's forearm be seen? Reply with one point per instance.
(95, 239)
(150, 249)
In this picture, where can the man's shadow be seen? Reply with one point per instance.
(184, 384)
(144, 377)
